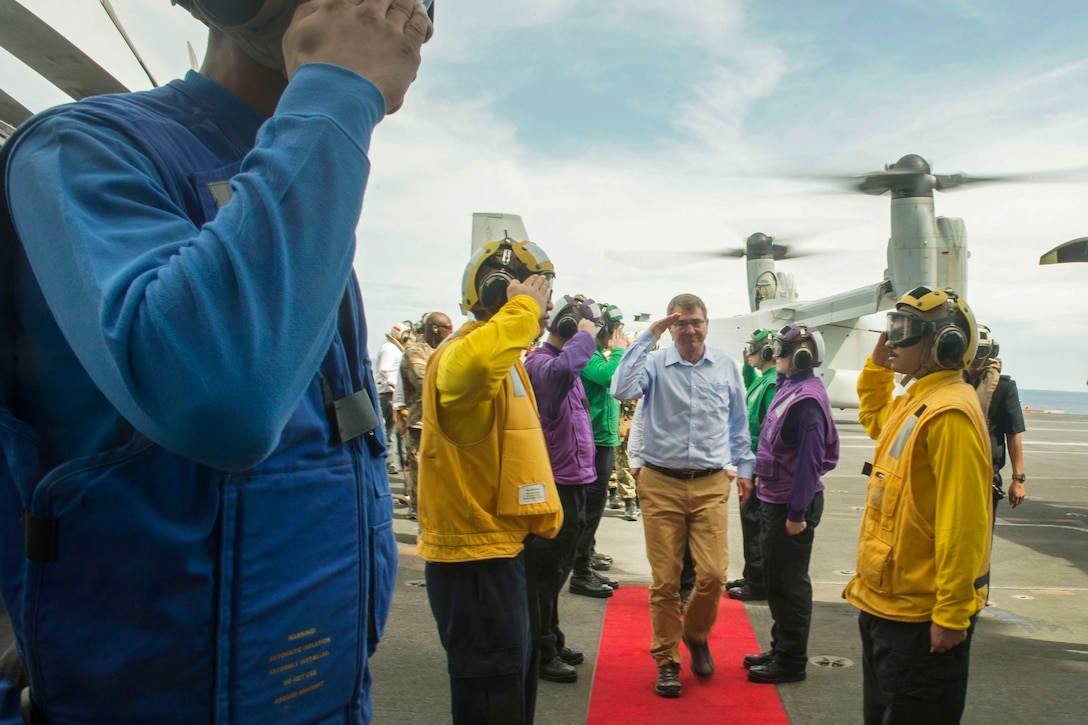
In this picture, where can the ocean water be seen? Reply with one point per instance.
(1073, 403)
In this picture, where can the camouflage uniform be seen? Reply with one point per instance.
(621, 476)
(412, 368)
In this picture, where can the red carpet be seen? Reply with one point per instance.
(623, 684)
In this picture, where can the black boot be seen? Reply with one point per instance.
(607, 581)
(556, 670)
(586, 584)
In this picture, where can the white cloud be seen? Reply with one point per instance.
(438, 161)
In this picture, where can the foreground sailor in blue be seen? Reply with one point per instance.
(187, 413)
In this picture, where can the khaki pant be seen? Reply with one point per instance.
(675, 514)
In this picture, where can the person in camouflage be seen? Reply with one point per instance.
(436, 328)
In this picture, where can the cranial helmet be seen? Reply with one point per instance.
(256, 26)
(574, 309)
(987, 345)
(611, 316)
(760, 342)
(942, 314)
(493, 267)
(611, 319)
(791, 341)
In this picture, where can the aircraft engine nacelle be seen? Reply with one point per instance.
(914, 247)
(952, 264)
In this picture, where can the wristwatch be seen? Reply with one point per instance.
(1021, 478)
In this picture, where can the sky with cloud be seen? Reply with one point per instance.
(638, 127)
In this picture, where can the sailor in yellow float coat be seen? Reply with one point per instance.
(486, 485)
(482, 442)
(926, 531)
(924, 548)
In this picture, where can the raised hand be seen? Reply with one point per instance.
(378, 39)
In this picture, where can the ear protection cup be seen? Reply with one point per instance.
(949, 346)
(567, 324)
(566, 317)
(801, 358)
(766, 353)
(492, 290)
(803, 345)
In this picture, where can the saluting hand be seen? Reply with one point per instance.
(534, 286)
(378, 39)
(880, 351)
(663, 324)
(616, 339)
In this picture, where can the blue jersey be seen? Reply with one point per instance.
(195, 518)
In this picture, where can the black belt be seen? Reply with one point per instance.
(684, 474)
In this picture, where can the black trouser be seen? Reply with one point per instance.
(785, 576)
(482, 612)
(905, 683)
(596, 498)
(548, 563)
(751, 523)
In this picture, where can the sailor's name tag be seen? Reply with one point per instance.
(532, 493)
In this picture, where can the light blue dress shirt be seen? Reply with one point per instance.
(694, 415)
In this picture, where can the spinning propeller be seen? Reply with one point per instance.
(756, 246)
(911, 176)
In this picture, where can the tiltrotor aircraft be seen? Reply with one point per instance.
(923, 249)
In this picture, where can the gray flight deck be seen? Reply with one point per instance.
(1029, 659)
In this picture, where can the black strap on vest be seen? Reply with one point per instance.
(355, 414)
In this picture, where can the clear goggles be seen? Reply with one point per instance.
(905, 329)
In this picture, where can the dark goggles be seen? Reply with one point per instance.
(783, 342)
(984, 351)
(905, 329)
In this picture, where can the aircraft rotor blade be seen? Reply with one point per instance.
(12, 113)
(946, 182)
(649, 259)
(1075, 250)
(108, 7)
(51, 55)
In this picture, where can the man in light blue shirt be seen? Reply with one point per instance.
(695, 422)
